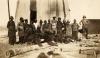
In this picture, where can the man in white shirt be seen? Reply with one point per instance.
(54, 23)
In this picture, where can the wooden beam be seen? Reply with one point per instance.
(8, 9)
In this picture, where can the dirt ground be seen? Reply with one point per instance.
(70, 50)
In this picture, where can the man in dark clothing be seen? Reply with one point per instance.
(64, 27)
(49, 26)
(35, 37)
(26, 31)
(59, 26)
(75, 28)
(31, 34)
(33, 27)
(59, 29)
(41, 22)
(11, 31)
(64, 31)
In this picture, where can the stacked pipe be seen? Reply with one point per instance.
(20, 50)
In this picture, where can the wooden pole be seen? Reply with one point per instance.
(8, 10)
(57, 9)
(64, 9)
(17, 9)
(49, 8)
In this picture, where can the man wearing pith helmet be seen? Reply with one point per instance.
(84, 23)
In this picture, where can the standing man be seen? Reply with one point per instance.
(32, 25)
(41, 22)
(68, 29)
(39, 30)
(45, 27)
(49, 33)
(75, 28)
(11, 31)
(45, 31)
(20, 27)
(39, 27)
(49, 26)
(59, 29)
(38, 34)
(26, 31)
(64, 27)
(54, 23)
(59, 26)
(84, 23)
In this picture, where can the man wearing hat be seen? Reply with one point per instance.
(84, 23)
(11, 31)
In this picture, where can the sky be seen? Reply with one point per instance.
(90, 8)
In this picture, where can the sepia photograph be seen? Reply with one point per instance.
(49, 28)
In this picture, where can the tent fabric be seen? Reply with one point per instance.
(47, 9)
(23, 10)
(90, 8)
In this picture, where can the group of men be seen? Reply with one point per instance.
(51, 30)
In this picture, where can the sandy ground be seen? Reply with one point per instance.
(70, 50)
